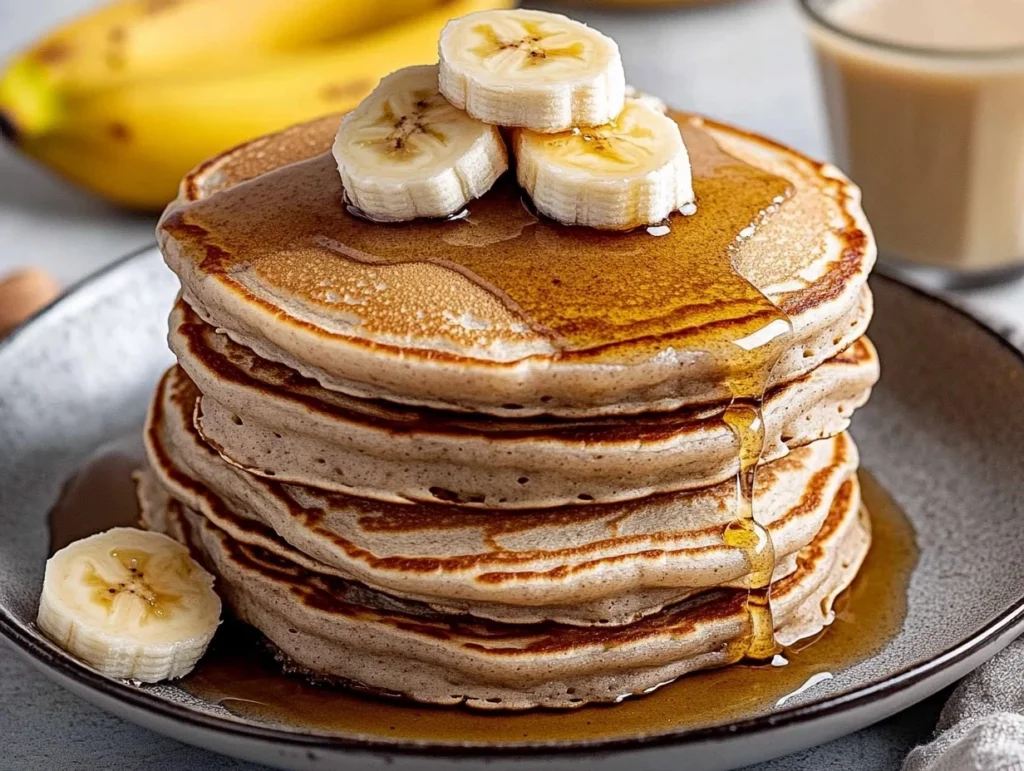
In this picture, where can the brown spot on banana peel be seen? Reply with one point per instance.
(156, 6)
(54, 52)
(119, 132)
(334, 92)
(114, 53)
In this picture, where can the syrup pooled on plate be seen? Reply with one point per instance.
(597, 296)
(100, 495)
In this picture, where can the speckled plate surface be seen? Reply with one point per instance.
(943, 434)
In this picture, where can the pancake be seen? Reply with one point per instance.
(510, 314)
(341, 631)
(599, 564)
(272, 421)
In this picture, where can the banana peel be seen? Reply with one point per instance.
(131, 141)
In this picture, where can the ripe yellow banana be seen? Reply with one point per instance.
(132, 143)
(134, 39)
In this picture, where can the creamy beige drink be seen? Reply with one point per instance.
(926, 104)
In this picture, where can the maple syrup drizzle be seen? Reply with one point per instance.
(745, 418)
(242, 677)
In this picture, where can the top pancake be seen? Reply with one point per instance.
(504, 312)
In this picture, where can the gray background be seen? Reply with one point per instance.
(744, 61)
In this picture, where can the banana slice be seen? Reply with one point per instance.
(405, 152)
(629, 173)
(130, 603)
(531, 69)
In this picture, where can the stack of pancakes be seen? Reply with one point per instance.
(417, 463)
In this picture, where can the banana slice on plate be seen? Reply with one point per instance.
(531, 69)
(130, 603)
(405, 152)
(632, 172)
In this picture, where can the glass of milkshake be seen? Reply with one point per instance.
(926, 111)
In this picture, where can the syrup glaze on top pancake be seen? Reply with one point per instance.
(505, 312)
(585, 293)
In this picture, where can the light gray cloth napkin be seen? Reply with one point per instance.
(982, 726)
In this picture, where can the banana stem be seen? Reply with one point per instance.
(28, 104)
(7, 128)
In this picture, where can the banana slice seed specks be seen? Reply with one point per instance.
(531, 69)
(405, 152)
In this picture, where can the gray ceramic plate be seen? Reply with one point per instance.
(943, 434)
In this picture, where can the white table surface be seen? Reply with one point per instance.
(745, 61)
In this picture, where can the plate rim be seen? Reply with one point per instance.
(43, 655)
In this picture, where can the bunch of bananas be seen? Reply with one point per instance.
(125, 100)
